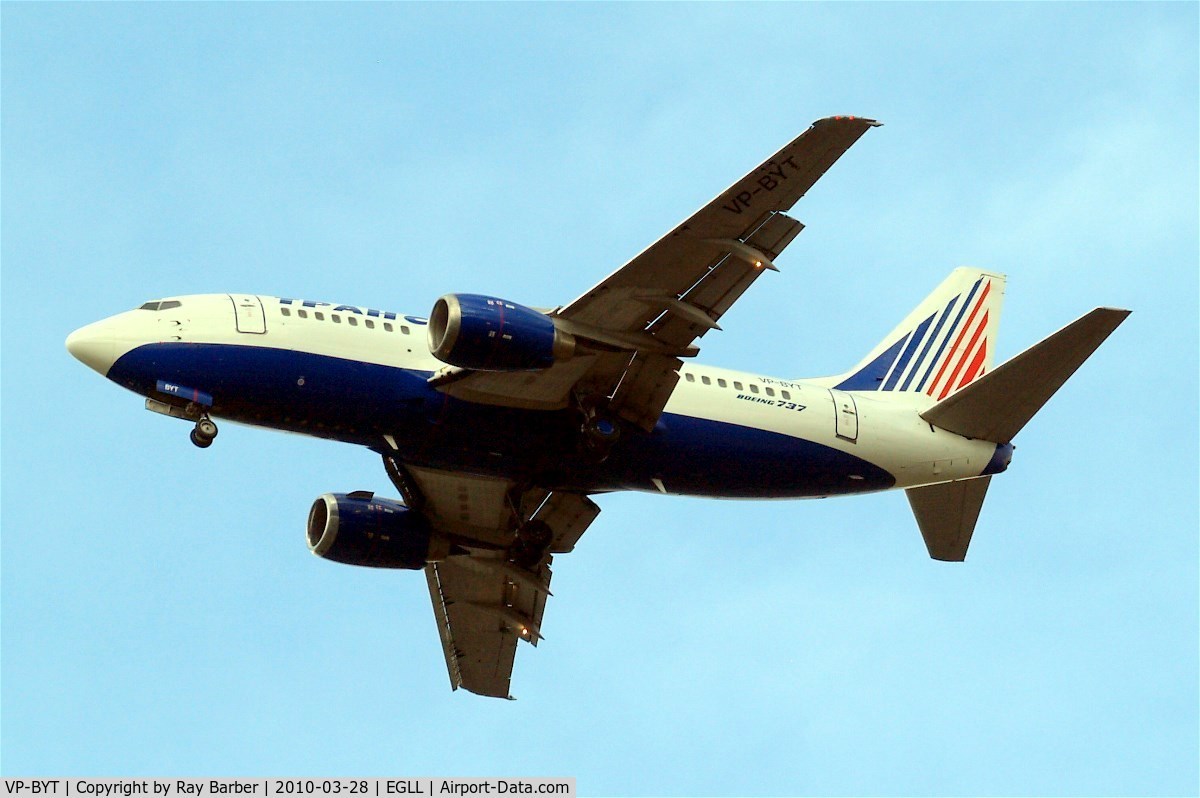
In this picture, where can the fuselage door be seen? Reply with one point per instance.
(845, 415)
(248, 314)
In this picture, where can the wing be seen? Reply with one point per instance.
(483, 602)
(649, 313)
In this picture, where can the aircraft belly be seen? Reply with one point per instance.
(282, 389)
(705, 457)
(362, 402)
(389, 409)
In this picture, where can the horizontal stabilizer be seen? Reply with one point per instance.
(997, 405)
(946, 514)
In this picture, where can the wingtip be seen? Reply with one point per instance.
(1118, 315)
(847, 118)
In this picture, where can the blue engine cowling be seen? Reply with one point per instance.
(489, 334)
(359, 529)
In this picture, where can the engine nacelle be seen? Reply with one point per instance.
(489, 334)
(360, 529)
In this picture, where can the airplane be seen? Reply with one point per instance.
(497, 423)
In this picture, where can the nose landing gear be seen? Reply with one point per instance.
(204, 432)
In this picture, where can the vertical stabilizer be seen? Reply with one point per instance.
(948, 341)
(946, 514)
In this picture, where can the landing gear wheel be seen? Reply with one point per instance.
(601, 430)
(206, 428)
(203, 433)
(537, 533)
(525, 555)
(531, 543)
(599, 433)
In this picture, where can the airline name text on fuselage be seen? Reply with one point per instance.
(384, 314)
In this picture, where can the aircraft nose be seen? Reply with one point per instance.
(94, 346)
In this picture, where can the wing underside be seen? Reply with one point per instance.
(484, 603)
(481, 615)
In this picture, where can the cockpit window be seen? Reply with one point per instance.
(167, 305)
(150, 306)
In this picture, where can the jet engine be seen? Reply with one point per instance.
(360, 529)
(489, 334)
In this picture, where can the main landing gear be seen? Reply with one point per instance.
(204, 432)
(531, 543)
(599, 431)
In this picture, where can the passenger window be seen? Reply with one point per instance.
(786, 395)
(770, 392)
(689, 377)
(706, 380)
(318, 315)
(285, 311)
(404, 329)
(353, 321)
(387, 325)
(302, 314)
(753, 388)
(336, 318)
(737, 386)
(722, 383)
(370, 324)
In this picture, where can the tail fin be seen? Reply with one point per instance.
(947, 513)
(947, 342)
(996, 407)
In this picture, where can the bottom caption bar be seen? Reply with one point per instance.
(431, 787)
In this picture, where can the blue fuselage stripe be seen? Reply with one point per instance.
(360, 402)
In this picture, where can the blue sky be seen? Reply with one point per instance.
(161, 614)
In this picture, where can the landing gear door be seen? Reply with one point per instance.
(845, 415)
(248, 314)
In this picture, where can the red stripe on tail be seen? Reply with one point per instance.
(963, 358)
(976, 365)
(961, 334)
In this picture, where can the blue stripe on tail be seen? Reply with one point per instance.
(870, 376)
(914, 342)
(950, 333)
(929, 344)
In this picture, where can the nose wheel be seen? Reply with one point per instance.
(204, 432)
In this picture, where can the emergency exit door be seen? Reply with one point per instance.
(248, 314)
(845, 415)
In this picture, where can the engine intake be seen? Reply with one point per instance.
(489, 334)
(359, 529)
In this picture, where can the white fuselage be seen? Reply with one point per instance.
(289, 365)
